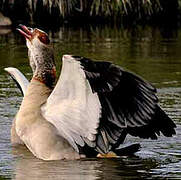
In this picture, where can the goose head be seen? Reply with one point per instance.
(40, 52)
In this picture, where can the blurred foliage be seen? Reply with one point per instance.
(101, 7)
(70, 9)
(108, 7)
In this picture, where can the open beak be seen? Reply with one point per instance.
(25, 31)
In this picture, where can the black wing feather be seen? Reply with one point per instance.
(129, 105)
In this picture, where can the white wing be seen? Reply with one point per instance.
(72, 106)
(19, 78)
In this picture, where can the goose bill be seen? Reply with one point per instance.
(25, 31)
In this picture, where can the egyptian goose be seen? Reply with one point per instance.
(91, 109)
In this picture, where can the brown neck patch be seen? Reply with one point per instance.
(48, 78)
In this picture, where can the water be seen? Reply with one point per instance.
(152, 53)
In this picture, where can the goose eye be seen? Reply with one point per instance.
(44, 39)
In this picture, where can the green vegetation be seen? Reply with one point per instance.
(100, 7)
(69, 10)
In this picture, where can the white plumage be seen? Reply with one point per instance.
(72, 107)
(18, 77)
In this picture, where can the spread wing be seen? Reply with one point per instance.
(19, 79)
(128, 103)
(98, 103)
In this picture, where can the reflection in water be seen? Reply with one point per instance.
(131, 48)
(149, 52)
(28, 167)
(4, 30)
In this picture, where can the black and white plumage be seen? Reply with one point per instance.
(98, 103)
(101, 103)
(91, 109)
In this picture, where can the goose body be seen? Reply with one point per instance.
(40, 136)
(90, 110)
